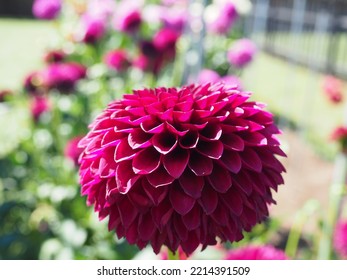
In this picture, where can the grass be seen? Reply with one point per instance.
(22, 44)
(295, 93)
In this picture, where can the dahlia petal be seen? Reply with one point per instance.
(262, 117)
(243, 181)
(231, 160)
(146, 227)
(233, 142)
(159, 178)
(131, 233)
(123, 151)
(158, 240)
(233, 201)
(180, 228)
(114, 219)
(153, 127)
(136, 111)
(251, 159)
(191, 184)
(220, 179)
(253, 126)
(200, 165)
(211, 132)
(164, 142)
(220, 216)
(216, 107)
(146, 161)
(111, 138)
(166, 116)
(207, 100)
(107, 166)
(181, 202)
(192, 242)
(189, 140)
(162, 214)
(125, 177)
(127, 212)
(192, 219)
(182, 116)
(201, 114)
(212, 150)
(175, 131)
(176, 162)
(268, 159)
(254, 139)
(208, 200)
(139, 139)
(156, 195)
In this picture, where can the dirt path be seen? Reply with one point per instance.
(308, 177)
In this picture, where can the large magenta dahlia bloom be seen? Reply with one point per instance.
(181, 167)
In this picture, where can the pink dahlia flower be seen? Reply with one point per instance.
(165, 41)
(241, 52)
(117, 60)
(340, 135)
(266, 252)
(340, 239)
(208, 76)
(47, 9)
(129, 21)
(333, 88)
(72, 151)
(232, 81)
(94, 29)
(181, 167)
(63, 76)
(225, 20)
(38, 106)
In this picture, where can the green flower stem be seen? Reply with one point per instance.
(173, 256)
(301, 219)
(325, 251)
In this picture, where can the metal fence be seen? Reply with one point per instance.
(308, 32)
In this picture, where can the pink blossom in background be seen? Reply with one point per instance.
(333, 88)
(181, 167)
(54, 56)
(63, 76)
(117, 60)
(165, 42)
(241, 52)
(232, 80)
(72, 151)
(93, 29)
(339, 134)
(174, 18)
(208, 76)
(128, 21)
(340, 239)
(261, 252)
(227, 16)
(38, 106)
(47, 9)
